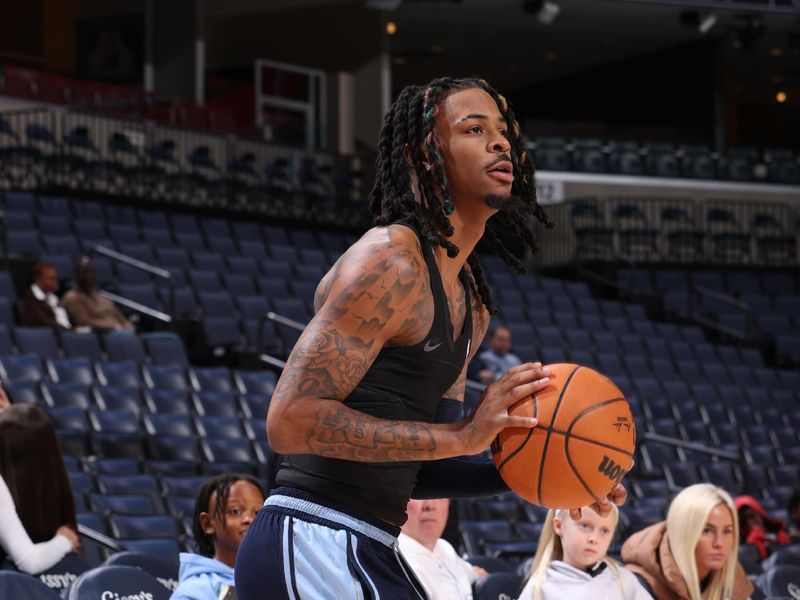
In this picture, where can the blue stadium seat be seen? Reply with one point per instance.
(118, 398)
(21, 367)
(6, 345)
(68, 418)
(216, 404)
(165, 377)
(237, 453)
(119, 581)
(130, 485)
(243, 265)
(255, 382)
(124, 346)
(81, 344)
(75, 395)
(168, 401)
(14, 584)
(126, 504)
(239, 285)
(71, 370)
(113, 466)
(497, 585)
(182, 486)
(218, 427)
(205, 281)
(174, 448)
(143, 526)
(165, 348)
(120, 374)
(216, 303)
(115, 421)
(168, 425)
(211, 379)
(206, 263)
(164, 569)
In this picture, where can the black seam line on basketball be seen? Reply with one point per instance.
(575, 471)
(525, 441)
(547, 437)
(593, 442)
(568, 435)
(586, 411)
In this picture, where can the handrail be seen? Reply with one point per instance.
(100, 538)
(272, 361)
(133, 305)
(701, 290)
(671, 441)
(142, 266)
(724, 298)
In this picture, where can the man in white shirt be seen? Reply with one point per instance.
(40, 306)
(443, 574)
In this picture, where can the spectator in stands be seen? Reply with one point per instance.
(39, 306)
(758, 528)
(87, 307)
(225, 507)
(571, 561)
(37, 510)
(443, 574)
(693, 555)
(4, 401)
(498, 359)
(794, 517)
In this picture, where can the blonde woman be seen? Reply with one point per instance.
(693, 554)
(571, 561)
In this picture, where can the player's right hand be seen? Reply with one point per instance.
(490, 415)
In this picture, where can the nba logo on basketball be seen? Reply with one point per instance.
(611, 469)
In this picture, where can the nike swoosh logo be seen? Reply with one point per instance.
(429, 348)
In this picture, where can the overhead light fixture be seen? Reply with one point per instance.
(391, 27)
(704, 22)
(707, 23)
(384, 4)
(545, 11)
(781, 97)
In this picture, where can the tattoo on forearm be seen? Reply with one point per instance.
(342, 433)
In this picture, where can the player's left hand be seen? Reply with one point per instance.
(617, 495)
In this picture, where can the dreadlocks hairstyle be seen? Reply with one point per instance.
(410, 124)
(221, 486)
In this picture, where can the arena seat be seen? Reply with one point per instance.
(116, 580)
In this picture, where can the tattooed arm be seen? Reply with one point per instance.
(378, 295)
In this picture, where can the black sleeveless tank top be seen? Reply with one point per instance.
(405, 383)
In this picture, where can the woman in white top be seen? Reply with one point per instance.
(37, 510)
(571, 561)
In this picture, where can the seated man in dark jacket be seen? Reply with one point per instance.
(39, 306)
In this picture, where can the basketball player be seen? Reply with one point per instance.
(374, 386)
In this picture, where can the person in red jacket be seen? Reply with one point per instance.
(757, 528)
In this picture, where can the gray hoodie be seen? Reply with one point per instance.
(564, 582)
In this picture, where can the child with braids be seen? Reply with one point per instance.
(224, 509)
(368, 409)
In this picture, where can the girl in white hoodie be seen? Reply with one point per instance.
(571, 561)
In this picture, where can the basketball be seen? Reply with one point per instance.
(582, 446)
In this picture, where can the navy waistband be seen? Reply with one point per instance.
(332, 507)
